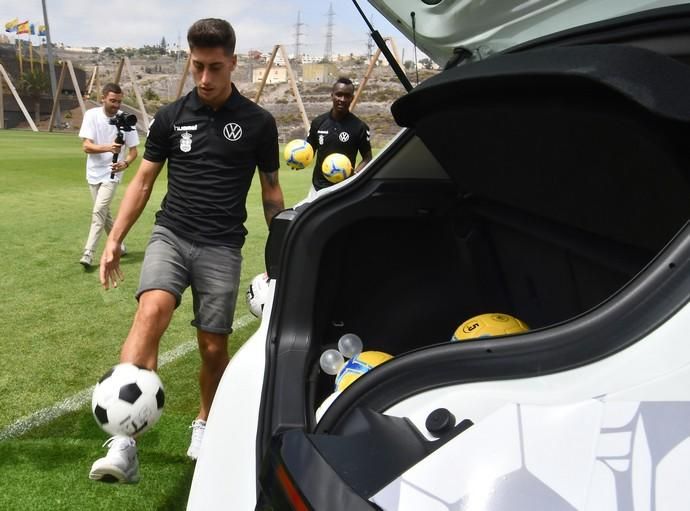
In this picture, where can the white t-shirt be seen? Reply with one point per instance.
(96, 126)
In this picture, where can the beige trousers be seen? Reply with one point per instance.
(101, 220)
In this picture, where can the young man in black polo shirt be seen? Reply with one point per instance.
(213, 140)
(338, 131)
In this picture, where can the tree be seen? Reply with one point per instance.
(164, 46)
(427, 63)
(33, 84)
(151, 95)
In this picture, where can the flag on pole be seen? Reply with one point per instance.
(11, 26)
(42, 30)
(23, 28)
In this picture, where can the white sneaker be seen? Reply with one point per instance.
(86, 259)
(198, 428)
(123, 250)
(120, 465)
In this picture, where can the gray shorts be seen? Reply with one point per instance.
(173, 264)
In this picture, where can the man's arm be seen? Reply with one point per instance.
(125, 163)
(364, 147)
(271, 195)
(132, 154)
(366, 158)
(90, 147)
(312, 135)
(136, 196)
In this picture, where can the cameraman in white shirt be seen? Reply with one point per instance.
(104, 171)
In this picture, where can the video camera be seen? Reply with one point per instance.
(123, 121)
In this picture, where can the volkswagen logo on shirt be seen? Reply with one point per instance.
(344, 136)
(232, 131)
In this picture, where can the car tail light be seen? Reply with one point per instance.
(292, 494)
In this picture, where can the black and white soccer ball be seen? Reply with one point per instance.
(128, 400)
(257, 294)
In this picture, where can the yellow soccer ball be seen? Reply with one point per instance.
(357, 366)
(489, 325)
(298, 154)
(336, 167)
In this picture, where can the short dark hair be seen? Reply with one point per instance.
(111, 87)
(212, 33)
(344, 80)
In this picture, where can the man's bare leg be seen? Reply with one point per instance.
(214, 359)
(153, 316)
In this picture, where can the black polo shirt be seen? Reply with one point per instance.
(328, 136)
(211, 158)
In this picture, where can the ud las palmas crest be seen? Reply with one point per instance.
(186, 142)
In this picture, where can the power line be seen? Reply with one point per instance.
(298, 34)
(370, 40)
(328, 53)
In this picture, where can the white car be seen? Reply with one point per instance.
(543, 174)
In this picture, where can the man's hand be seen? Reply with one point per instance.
(110, 271)
(115, 148)
(119, 166)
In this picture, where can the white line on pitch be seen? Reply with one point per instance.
(81, 398)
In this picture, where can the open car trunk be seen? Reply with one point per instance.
(566, 185)
(556, 201)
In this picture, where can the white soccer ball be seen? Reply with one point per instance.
(257, 294)
(323, 408)
(128, 400)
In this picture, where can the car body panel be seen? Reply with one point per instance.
(596, 437)
(485, 28)
(561, 193)
(219, 471)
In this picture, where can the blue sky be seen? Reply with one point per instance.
(259, 24)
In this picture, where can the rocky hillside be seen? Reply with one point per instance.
(373, 106)
(158, 79)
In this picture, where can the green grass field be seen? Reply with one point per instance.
(61, 332)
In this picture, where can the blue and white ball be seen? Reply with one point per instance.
(298, 154)
(336, 167)
(358, 365)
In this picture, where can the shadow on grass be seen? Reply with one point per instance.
(132, 258)
(89, 269)
(47, 468)
(177, 499)
(127, 260)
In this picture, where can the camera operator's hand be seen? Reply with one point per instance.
(110, 272)
(119, 166)
(115, 148)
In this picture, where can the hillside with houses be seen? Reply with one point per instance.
(154, 78)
